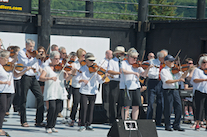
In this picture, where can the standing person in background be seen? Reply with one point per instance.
(6, 86)
(154, 87)
(105, 86)
(130, 85)
(54, 47)
(76, 86)
(1, 45)
(54, 91)
(88, 91)
(29, 81)
(151, 56)
(114, 96)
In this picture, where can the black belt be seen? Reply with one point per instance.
(29, 76)
(171, 89)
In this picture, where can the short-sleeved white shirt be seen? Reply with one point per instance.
(130, 80)
(114, 65)
(77, 66)
(166, 75)
(201, 86)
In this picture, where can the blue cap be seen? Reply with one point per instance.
(169, 58)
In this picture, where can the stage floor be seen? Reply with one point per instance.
(12, 126)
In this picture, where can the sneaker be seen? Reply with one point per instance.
(190, 114)
(186, 114)
(54, 130)
(197, 127)
(82, 128)
(48, 130)
(71, 124)
(60, 115)
(89, 128)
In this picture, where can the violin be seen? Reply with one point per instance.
(10, 66)
(60, 66)
(144, 65)
(83, 62)
(32, 53)
(93, 68)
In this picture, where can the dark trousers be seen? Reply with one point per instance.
(76, 101)
(114, 97)
(172, 100)
(4, 102)
(155, 89)
(30, 82)
(87, 109)
(55, 106)
(17, 96)
(105, 97)
(200, 103)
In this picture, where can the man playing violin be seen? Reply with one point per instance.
(114, 96)
(171, 93)
(76, 86)
(29, 81)
(154, 87)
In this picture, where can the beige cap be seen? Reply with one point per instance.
(90, 56)
(119, 49)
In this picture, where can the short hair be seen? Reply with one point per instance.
(72, 53)
(4, 53)
(160, 54)
(201, 60)
(53, 46)
(41, 47)
(132, 52)
(15, 48)
(53, 54)
(61, 48)
(165, 50)
(188, 59)
(28, 41)
(79, 52)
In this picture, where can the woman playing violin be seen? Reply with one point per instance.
(54, 90)
(76, 86)
(129, 81)
(88, 91)
(6, 86)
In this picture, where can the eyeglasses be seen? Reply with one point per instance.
(204, 62)
(133, 57)
(83, 55)
(91, 60)
(56, 58)
(190, 63)
(64, 53)
(151, 56)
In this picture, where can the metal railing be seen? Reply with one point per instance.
(127, 13)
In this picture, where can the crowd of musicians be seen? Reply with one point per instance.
(56, 77)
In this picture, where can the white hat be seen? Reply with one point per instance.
(90, 56)
(119, 49)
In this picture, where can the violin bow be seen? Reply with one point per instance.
(179, 63)
(143, 56)
(48, 47)
(177, 54)
(96, 71)
(64, 65)
(183, 59)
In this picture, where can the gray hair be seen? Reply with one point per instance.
(53, 54)
(165, 50)
(160, 54)
(4, 53)
(53, 46)
(28, 41)
(132, 52)
(61, 48)
(202, 59)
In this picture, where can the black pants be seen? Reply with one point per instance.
(76, 101)
(55, 106)
(4, 103)
(87, 109)
(172, 100)
(200, 103)
(105, 97)
(30, 82)
(114, 97)
(155, 90)
(17, 96)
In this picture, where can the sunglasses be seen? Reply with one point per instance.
(64, 53)
(190, 63)
(204, 62)
(133, 57)
(56, 58)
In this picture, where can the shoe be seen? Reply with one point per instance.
(71, 124)
(7, 114)
(168, 129)
(197, 127)
(159, 125)
(25, 124)
(54, 130)
(190, 114)
(79, 123)
(60, 115)
(5, 120)
(186, 114)
(179, 129)
(40, 124)
(48, 130)
(89, 128)
(82, 128)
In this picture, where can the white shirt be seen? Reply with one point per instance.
(39, 65)
(114, 65)
(54, 89)
(77, 66)
(6, 76)
(201, 86)
(104, 63)
(130, 80)
(23, 59)
(166, 75)
(47, 62)
(154, 71)
(92, 87)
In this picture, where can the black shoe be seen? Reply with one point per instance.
(159, 125)
(5, 120)
(40, 124)
(179, 129)
(168, 129)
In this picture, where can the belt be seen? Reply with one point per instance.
(29, 76)
(171, 89)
